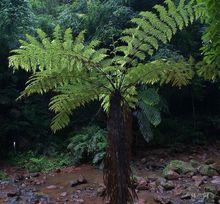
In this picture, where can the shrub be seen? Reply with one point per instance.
(38, 163)
(89, 144)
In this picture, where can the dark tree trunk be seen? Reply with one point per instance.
(128, 129)
(117, 172)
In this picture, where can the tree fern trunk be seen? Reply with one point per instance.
(128, 129)
(117, 168)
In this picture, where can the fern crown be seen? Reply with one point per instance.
(79, 72)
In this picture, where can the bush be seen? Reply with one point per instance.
(37, 163)
(3, 175)
(89, 144)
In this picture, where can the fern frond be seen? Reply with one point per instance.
(144, 126)
(162, 71)
(152, 29)
(69, 98)
(61, 53)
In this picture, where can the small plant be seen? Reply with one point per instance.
(3, 175)
(38, 163)
(90, 143)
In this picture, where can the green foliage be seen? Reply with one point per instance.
(89, 144)
(46, 13)
(3, 175)
(209, 9)
(179, 166)
(16, 18)
(209, 12)
(79, 72)
(148, 113)
(101, 20)
(37, 163)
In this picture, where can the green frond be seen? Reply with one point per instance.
(148, 111)
(148, 96)
(65, 52)
(165, 17)
(173, 12)
(57, 34)
(152, 114)
(177, 73)
(158, 24)
(69, 98)
(208, 71)
(160, 71)
(144, 126)
(45, 81)
(153, 28)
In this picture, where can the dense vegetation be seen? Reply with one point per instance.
(162, 64)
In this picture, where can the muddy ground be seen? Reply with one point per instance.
(84, 184)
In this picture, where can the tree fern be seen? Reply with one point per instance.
(79, 72)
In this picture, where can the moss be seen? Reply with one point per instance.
(178, 166)
(206, 170)
(194, 163)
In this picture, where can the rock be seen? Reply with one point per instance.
(18, 177)
(210, 188)
(216, 180)
(79, 181)
(78, 201)
(13, 193)
(40, 198)
(74, 183)
(142, 184)
(144, 160)
(216, 166)
(186, 196)
(153, 166)
(34, 175)
(142, 187)
(13, 200)
(39, 182)
(64, 194)
(152, 185)
(169, 185)
(178, 192)
(178, 166)
(198, 180)
(171, 175)
(198, 201)
(58, 171)
(209, 198)
(209, 161)
(51, 187)
(206, 170)
(101, 191)
(162, 199)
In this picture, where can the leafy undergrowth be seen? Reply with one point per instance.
(38, 163)
(88, 145)
(3, 175)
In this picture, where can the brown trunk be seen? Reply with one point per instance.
(128, 129)
(117, 170)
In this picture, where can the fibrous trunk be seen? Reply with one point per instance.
(117, 170)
